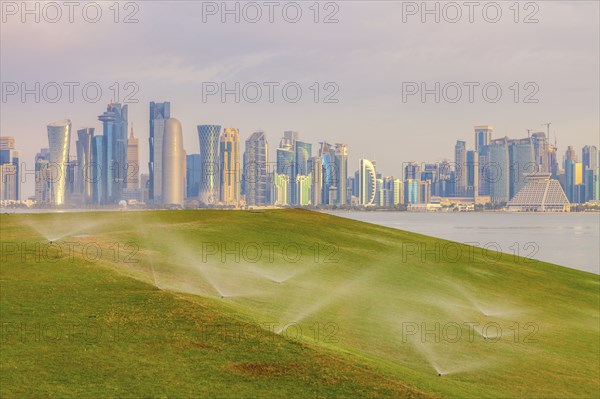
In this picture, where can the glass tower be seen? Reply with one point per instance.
(159, 113)
(59, 139)
(208, 136)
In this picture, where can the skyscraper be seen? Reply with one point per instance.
(316, 170)
(483, 136)
(85, 167)
(256, 170)
(589, 157)
(497, 170)
(193, 177)
(367, 184)
(230, 170)
(472, 173)
(133, 161)
(570, 154)
(173, 170)
(303, 152)
(95, 173)
(278, 189)
(42, 176)
(7, 143)
(10, 164)
(114, 169)
(208, 135)
(412, 170)
(522, 163)
(327, 155)
(59, 139)
(285, 166)
(159, 113)
(411, 191)
(541, 151)
(341, 167)
(460, 164)
(303, 189)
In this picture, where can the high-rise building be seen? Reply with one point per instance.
(330, 175)
(193, 176)
(159, 113)
(289, 139)
(114, 132)
(256, 170)
(10, 164)
(208, 135)
(285, 166)
(85, 165)
(411, 191)
(424, 192)
(541, 151)
(570, 154)
(569, 182)
(553, 161)
(412, 170)
(460, 164)
(315, 168)
(98, 159)
(445, 180)
(472, 173)
(133, 161)
(279, 189)
(589, 157)
(42, 176)
(303, 152)
(7, 143)
(496, 170)
(367, 182)
(522, 162)
(431, 173)
(303, 189)
(230, 170)
(589, 183)
(59, 140)
(483, 137)
(341, 168)
(173, 169)
(8, 182)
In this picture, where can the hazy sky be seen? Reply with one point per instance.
(368, 54)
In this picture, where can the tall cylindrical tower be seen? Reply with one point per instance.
(59, 139)
(172, 164)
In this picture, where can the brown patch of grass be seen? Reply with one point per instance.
(264, 369)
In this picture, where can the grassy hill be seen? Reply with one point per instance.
(282, 303)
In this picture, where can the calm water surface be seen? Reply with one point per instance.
(570, 239)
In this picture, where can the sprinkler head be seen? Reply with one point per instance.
(439, 374)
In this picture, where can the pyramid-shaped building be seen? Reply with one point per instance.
(540, 194)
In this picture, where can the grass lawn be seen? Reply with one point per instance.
(282, 303)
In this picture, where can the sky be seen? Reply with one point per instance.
(366, 59)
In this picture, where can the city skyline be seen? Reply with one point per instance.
(27, 188)
(368, 55)
(296, 178)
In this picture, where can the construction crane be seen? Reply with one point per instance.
(548, 128)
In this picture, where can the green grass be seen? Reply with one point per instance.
(166, 331)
